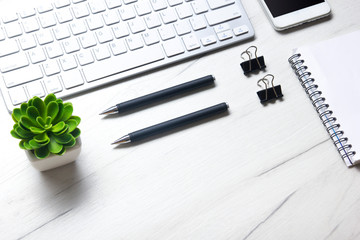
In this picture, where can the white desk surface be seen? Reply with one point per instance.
(258, 173)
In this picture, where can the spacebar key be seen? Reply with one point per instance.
(122, 63)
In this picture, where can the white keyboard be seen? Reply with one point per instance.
(69, 46)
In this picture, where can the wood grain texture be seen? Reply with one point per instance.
(257, 173)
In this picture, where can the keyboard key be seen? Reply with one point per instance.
(78, 27)
(13, 29)
(221, 27)
(142, 7)
(54, 50)
(240, 30)
(184, 11)
(17, 95)
(10, 17)
(198, 22)
(2, 35)
(111, 17)
(175, 2)
(137, 25)
(129, 1)
(101, 52)
(27, 42)
(44, 37)
(37, 55)
(191, 42)
(71, 45)
(45, 7)
(151, 37)
(113, 3)
(94, 22)
(80, 10)
(85, 57)
(68, 62)
(96, 6)
(64, 15)
(51, 67)
(211, 39)
(62, 3)
(182, 27)
(35, 89)
(118, 47)
(12, 62)
(22, 75)
(127, 12)
(224, 35)
(166, 32)
(199, 6)
(30, 25)
(168, 16)
(128, 61)
(173, 47)
(27, 12)
(61, 32)
(222, 15)
(53, 85)
(8, 47)
(134, 42)
(152, 21)
(158, 4)
(47, 20)
(72, 78)
(120, 30)
(104, 35)
(87, 40)
(219, 3)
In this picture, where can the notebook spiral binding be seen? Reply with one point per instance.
(325, 114)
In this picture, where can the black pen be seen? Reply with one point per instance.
(173, 123)
(160, 95)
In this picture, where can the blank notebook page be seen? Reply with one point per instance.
(335, 66)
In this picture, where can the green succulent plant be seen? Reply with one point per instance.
(45, 127)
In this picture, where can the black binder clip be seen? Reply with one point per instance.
(269, 94)
(254, 64)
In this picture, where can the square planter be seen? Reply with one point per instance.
(54, 161)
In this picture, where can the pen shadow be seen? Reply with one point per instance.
(173, 131)
(159, 102)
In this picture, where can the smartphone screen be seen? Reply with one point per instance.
(281, 7)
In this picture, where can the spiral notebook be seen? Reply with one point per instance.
(329, 72)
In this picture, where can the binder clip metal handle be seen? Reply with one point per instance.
(251, 65)
(269, 94)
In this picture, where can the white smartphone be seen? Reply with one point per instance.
(284, 14)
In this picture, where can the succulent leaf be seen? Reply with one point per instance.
(26, 122)
(49, 98)
(15, 135)
(63, 138)
(68, 110)
(45, 126)
(36, 130)
(40, 106)
(42, 152)
(52, 109)
(76, 133)
(53, 146)
(42, 138)
(23, 108)
(59, 127)
(35, 145)
(24, 134)
(72, 124)
(16, 114)
(32, 113)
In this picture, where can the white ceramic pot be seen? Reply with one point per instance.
(54, 161)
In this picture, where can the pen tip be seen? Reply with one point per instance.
(111, 110)
(122, 140)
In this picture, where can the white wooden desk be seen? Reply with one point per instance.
(257, 173)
